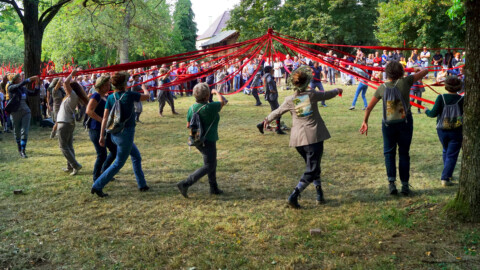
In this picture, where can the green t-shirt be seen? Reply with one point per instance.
(403, 85)
(126, 104)
(208, 115)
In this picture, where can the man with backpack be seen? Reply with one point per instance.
(397, 124)
(202, 119)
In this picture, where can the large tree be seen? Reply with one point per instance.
(185, 28)
(332, 21)
(467, 201)
(419, 23)
(80, 33)
(11, 46)
(35, 15)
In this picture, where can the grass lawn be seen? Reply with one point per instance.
(57, 223)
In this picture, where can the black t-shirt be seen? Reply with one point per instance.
(437, 57)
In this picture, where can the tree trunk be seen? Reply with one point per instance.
(468, 196)
(33, 35)
(124, 45)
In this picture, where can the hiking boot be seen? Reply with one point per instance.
(447, 183)
(22, 154)
(320, 199)
(260, 127)
(392, 188)
(293, 199)
(405, 189)
(183, 187)
(99, 193)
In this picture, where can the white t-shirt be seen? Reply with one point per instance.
(424, 56)
(66, 114)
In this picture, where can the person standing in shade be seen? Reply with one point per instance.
(449, 109)
(164, 95)
(209, 117)
(437, 63)
(308, 130)
(271, 95)
(397, 134)
(20, 114)
(123, 139)
(95, 109)
(75, 96)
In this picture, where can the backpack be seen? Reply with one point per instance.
(114, 125)
(197, 134)
(394, 107)
(451, 116)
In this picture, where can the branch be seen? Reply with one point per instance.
(48, 14)
(17, 9)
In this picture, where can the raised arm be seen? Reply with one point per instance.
(420, 73)
(222, 100)
(146, 94)
(66, 84)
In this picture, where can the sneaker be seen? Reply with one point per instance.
(364, 108)
(67, 170)
(325, 105)
(446, 183)
(405, 189)
(352, 108)
(75, 171)
(392, 188)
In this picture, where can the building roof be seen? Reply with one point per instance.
(217, 26)
(219, 38)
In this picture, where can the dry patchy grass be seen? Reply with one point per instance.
(57, 223)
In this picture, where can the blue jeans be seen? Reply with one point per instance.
(236, 82)
(125, 148)
(437, 69)
(452, 143)
(362, 88)
(103, 161)
(317, 84)
(331, 75)
(400, 135)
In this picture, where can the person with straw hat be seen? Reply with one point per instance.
(308, 129)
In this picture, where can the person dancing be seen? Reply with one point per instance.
(308, 130)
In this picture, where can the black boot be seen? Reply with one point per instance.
(214, 190)
(260, 127)
(405, 189)
(320, 199)
(183, 187)
(99, 193)
(293, 199)
(392, 188)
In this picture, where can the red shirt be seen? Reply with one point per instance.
(377, 60)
